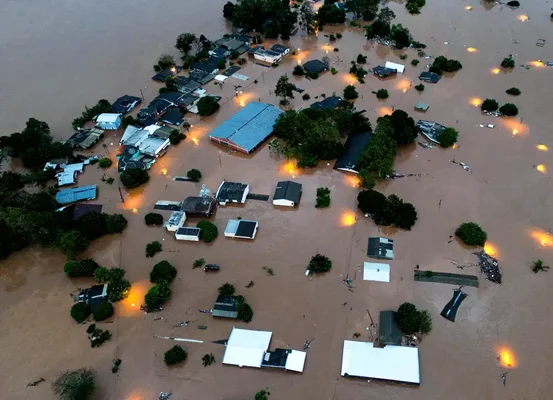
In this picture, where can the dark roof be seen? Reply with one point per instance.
(184, 230)
(198, 206)
(125, 103)
(80, 209)
(329, 103)
(85, 138)
(163, 74)
(201, 76)
(231, 191)
(213, 61)
(389, 329)
(279, 48)
(380, 247)
(225, 306)
(93, 296)
(173, 116)
(246, 229)
(354, 147)
(450, 310)
(231, 70)
(429, 77)
(288, 190)
(242, 38)
(79, 193)
(315, 66)
(130, 157)
(171, 97)
(276, 358)
(219, 52)
(255, 49)
(203, 67)
(383, 72)
(186, 85)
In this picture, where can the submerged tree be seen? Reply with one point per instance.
(448, 137)
(538, 266)
(411, 320)
(284, 89)
(75, 385)
(472, 234)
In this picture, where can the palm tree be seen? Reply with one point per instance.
(538, 266)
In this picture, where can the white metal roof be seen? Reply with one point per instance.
(376, 272)
(393, 363)
(398, 67)
(221, 78)
(107, 117)
(232, 226)
(295, 361)
(246, 347)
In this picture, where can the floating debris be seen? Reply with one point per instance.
(35, 383)
(463, 165)
(165, 395)
(489, 266)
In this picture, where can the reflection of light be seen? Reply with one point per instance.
(471, 50)
(352, 180)
(136, 296)
(523, 17)
(515, 132)
(135, 210)
(490, 249)
(164, 171)
(404, 90)
(543, 239)
(299, 62)
(403, 84)
(542, 147)
(242, 104)
(347, 218)
(538, 64)
(542, 168)
(289, 167)
(454, 146)
(349, 79)
(495, 71)
(468, 8)
(382, 111)
(196, 141)
(506, 357)
(475, 101)
(132, 305)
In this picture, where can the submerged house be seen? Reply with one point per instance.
(94, 296)
(431, 77)
(398, 67)
(281, 49)
(250, 348)
(145, 140)
(430, 130)
(125, 104)
(162, 75)
(287, 193)
(85, 138)
(383, 72)
(186, 85)
(267, 56)
(175, 221)
(450, 310)
(232, 192)
(353, 149)
(241, 229)
(131, 157)
(69, 174)
(109, 121)
(381, 247)
(198, 206)
(73, 195)
(225, 307)
(329, 103)
(389, 331)
(188, 234)
(315, 66)
(248, 128)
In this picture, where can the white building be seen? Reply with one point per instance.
(241, 229)
(398, 67)
(175, 221)
(392, 363)
(376, 272)
(145, 140)
(287, 193)
(232, 192)
(267, 56)
(109, 121)
(188, 234)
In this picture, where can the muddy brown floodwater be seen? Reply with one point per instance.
(56, 57)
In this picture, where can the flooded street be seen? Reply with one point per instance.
(59, 56)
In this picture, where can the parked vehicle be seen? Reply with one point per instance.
(211, 267)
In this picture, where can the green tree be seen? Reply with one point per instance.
(221, 63)
(153, 248)
(103, 311)
(175, 137)
(153, 219)
(386, 15)
(85, 267)
(158, 295)
(184, 42)
(378, 28)
(366, 179)
(72, 243)
(298, 70)
(80, 311)
(228, 9)
(350, 92)
(262, 395)
(134, 177)
(105, 162)
(538, 266)
(226, 289)
(174, 355)
(245, 312)
(284, 89)
(382, 94)
(115, 223)
(319, 263)
(101, 274)
(78, 384)
(163, 271)
(323, 197)
(448, 137)
(403, 129)
(508, 62)
(362, 8)
(471, 234)
(208, 359)
(208, 231)
(329, 14)
(513, 91)
(420, 86)
(489, 105)
(508, 109)
(194, 175)
(411, 320)
(400, 35)
(307, 16)
(207, 105)
(165, 61)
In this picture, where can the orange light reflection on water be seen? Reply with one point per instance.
(348, 218)
(130, 306)
(506, 357)
(538, 64)
(403, 85)
(475, 101)
(290, 168)
(541, 237)
(542, 147)
(352, 180)
(491, 249)
(495, 71)
(472, 49)
(523, 17)
(382, 111)
(541, 168)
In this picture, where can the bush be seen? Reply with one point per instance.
(226, 289)
(153, 219)
(101, 275)
(72, 243)
(471, 234)
(441, 64)
(174, 355)
(508, 109)
(115, 223)
(319, 263)
(118, 289)
(403, 57)
(323, 197)
(361, 59)
(134, 177)
(411, 320)
(194, 175)
(508, 62)
(350, 92)
(298, 70)
(75, 385)
(234, 55)
(382, 94)
(333, 71)
(198, 263)
(419, 87)
(163, 271)
(157, 296)
(207, 105)
(208, 231)
(105, 162)
(245, 312)
(414, 62)
(513, 91)
(175, 137)
(103, 311)
(221, 64)
(313, 75)
(448, 137)
(306, 96)
(84, 267)
(387, 211)
(513, 3)
(339, 35)
(366, 179)
(489, 105)
(153, 248)
(80, 311)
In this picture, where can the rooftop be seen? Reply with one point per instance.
(163, 74)
(430, 129)
(383, 72)
(125, 103)
(376, 272)
(353, 149)
(389, 332)
(225, 307)
(381, 247)
(246, 348)
(67, 196)
(198, 206)
(329, 103)
(288, 190)
(279, 48)
(108, 117)
(248, 127)
(189, 231)
(172, 116)
(429, 77)
(85, 138)
(231, 191)
(315, 66)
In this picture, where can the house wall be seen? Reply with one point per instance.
(284, 202)
(189, 238)
(245, 194)
(267, 58)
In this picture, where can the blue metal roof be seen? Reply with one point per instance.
(67, 196)
(250, 126)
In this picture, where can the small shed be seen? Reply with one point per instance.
(287, 193)
(94, 295)
(422, 106)
(389, 332)
(381, 247)
(225, 307)
(398, 67)
(175, 221)
(109, 121)
(188, 234)
(241, 229)
(376, 272)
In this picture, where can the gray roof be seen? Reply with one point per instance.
(248, 127)
(279, 48)
(198, 206)
(353, 149)
(381, 247)
(85, 138)
(389, 329)
(422, 106)
(185, 230)
(315, 66)
(225, 307)
(288, 190)
(231, 191)
(430, 129)
(67, 196)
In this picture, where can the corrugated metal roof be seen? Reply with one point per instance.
(249, 126)
(76, 194)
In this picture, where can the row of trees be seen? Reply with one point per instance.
(507, 109)
(162, 274)
(387, 211)
(442, 64)
(382, 28)
(103, 106)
